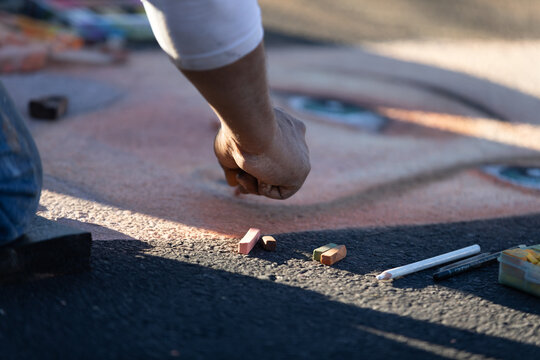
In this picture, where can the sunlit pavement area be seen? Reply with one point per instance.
(418, 147)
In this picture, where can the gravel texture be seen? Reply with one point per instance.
(197, 300)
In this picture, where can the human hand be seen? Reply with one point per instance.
(278, 171)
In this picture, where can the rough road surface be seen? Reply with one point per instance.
(195, 299)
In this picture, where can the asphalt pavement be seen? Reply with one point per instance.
(195, 299)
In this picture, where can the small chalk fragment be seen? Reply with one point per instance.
(268, 243)
(249, 240)
(334, 255)
(318, 251)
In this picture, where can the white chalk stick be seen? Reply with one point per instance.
(427, 263)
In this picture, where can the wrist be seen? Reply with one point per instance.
(255, 138)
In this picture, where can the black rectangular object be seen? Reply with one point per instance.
(47, 247)
(48, 108)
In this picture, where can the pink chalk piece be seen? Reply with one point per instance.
(249, 240)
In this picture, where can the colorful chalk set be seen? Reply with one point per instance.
(520, 268)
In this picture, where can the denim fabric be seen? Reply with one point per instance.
(20, 172)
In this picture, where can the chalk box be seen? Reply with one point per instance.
(519, 273)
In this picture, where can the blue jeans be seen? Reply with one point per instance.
(21, 174)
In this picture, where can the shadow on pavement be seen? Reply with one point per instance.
(372, 250)
(136, 305)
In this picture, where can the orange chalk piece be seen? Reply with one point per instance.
(334, 255)
(248, 241)
(268, 243)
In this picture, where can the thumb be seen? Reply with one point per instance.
(230, 175)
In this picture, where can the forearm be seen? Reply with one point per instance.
(218, 46)
(239, 95)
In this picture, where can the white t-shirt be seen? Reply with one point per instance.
(205, 34)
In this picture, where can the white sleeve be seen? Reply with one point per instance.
(205, 34)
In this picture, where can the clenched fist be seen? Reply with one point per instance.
(278, 170)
